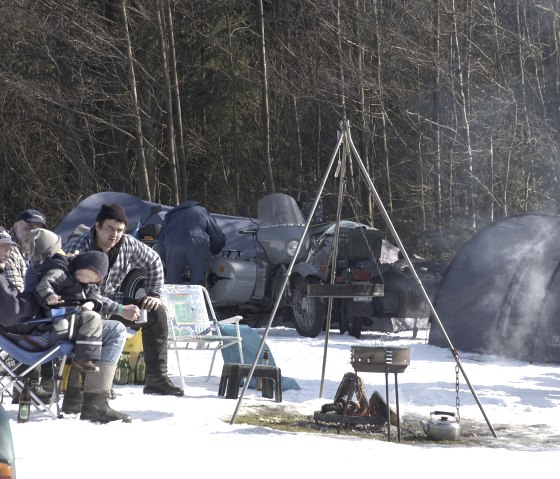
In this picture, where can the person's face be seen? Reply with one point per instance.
(87, 276)
(109, 233)
(22, 229)
(5, 250)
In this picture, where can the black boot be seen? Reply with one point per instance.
(96, 408)
(95, 405)
(74, 394)
(162, 385)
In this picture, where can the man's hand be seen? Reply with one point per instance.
(130, 312)
(150, 303)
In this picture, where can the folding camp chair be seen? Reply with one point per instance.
(16, 362)
(193, 322)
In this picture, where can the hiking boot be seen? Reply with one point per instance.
(95, 404)
(162, 385)
(95, 408)
(85, 365)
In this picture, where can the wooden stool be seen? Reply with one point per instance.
(233, 373)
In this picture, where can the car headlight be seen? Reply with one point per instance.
(291, 247)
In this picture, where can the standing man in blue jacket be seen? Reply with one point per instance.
(188, 238)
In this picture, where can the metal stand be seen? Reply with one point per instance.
(350, 151)
(388, 411)
(389, 408)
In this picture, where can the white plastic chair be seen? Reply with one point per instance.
(193, 323)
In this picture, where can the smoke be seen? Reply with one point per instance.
(501, 294)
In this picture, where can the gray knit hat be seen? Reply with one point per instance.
(43, 243)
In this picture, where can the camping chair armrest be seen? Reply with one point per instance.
(232, 320)
(69, 328)
(67, 312)
(36, 321)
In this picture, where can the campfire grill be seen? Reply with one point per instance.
(380, 359)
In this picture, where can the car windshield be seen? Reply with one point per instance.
(279, 209)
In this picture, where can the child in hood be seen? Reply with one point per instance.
(74, 281)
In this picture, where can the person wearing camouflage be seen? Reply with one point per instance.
(126, 253)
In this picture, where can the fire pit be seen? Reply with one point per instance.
(380, 359)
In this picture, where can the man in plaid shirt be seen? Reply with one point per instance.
(126, 253)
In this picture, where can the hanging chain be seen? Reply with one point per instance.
(457, 401)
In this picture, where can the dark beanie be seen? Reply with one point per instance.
(111, 212)
(94, 260)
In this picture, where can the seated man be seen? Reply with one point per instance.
(18, 261)
(126, 253)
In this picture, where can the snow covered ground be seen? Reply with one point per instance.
(178, 437)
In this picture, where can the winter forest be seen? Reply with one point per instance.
(454, 106)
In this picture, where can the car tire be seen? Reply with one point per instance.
(133, 284)
(306, 314)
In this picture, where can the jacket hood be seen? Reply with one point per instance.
(56, 261)
(93, 260)
(184, 205)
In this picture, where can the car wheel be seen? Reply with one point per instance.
(133, 284)
(307, 314)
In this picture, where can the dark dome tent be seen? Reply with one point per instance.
(501, 293)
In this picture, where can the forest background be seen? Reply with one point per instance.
(454, 106)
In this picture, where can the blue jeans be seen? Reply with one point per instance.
(113, 338)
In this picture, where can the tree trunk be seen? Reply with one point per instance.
(364, 117)
(173, 167)
(383, 114)
(437, 180)
(298, 169)
(234, 120)
(143, 183)
(341, 62)
(178, 115)
(462, 74)
(265, 106)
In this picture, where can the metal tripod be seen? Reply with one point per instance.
(345, 139)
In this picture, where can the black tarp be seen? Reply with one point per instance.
(501, 293)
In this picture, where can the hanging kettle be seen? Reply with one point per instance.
(442, 426)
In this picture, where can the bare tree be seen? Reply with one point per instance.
(174, 168)
(178, 116)
(144, 185)
(265, 104)
(460, 37)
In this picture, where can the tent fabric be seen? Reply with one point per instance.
(501, 293)
(85, 212)
(143, 213)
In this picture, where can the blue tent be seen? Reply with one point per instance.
(501, 293)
